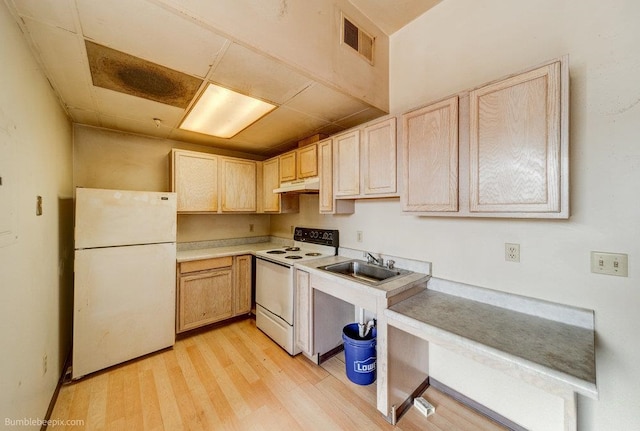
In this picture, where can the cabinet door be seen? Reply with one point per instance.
(204, 298)
(242, 285)
(238, 180)
(303, 315)
(288, 166)
(346, 164)
(270, 181)
(325, 168)
(195, 181)
(379, 153)
(515, 143)
(430, 148)
(307, 161)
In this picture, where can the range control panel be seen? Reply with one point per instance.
(328, 237)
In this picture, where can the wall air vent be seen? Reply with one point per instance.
(357, 39)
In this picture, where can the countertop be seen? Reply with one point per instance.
(387, 289)
(231, 250)
(558, 350)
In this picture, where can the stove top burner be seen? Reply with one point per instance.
(292, 249)
(313, 254)
(276, 252)
(293, 256)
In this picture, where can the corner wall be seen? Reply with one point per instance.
(36, 271)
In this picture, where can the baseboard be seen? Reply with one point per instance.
(474, 405)
(330, 354)
(397, 412)
(54, 397)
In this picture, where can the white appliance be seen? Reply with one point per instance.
(275, 284)
(125, 276)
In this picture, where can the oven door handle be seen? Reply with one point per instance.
(273, 262)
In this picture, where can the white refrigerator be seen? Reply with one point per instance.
(125, 276)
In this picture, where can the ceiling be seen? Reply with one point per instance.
(61, 31)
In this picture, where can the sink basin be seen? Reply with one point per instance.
(364, 272)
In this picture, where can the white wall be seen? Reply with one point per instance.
(464, 43)
(35, 268)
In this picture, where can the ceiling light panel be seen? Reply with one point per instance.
(224, 113)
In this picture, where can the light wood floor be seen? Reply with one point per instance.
(236, 378)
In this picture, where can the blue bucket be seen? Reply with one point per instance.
(359, 355)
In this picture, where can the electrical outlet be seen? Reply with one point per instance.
(610, 263)
(511, 252)
(359, 236)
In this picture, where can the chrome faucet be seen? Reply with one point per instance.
(374, 260)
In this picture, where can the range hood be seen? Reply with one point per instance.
(306, 185)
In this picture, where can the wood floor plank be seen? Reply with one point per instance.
(151, 413)
(188, 412)
(96, 416)
(80, 403)
(169, 408)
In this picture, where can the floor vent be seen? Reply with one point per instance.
(357, 39)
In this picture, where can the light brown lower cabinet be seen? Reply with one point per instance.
(212, 290)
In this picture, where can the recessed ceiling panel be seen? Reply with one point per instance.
(63, 56)
(143, 29)
(256, 75)
(59, 13)
(129, 125)
(131, 75)
(360, 118)
(281, 126)
(84, 116)
(323, 102)
(114, 104)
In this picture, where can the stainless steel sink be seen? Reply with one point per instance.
(358, 270)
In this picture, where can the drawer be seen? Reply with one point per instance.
(204, 264)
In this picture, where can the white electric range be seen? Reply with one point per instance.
(275, 284)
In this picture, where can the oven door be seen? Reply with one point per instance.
(274, 288)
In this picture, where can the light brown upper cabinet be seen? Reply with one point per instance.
(270, 181)
(509, 156)
(515, 143)
(299, 164)
(328, 203)
(365, 161)
(194, 177)
(307, 161)
(288, 166)
(430, 148)
(379, 158)
(346, 164)
(238, 181)
(276, 202)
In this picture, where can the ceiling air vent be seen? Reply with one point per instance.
(357, 39)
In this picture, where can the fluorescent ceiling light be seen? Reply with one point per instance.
(224, 113)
